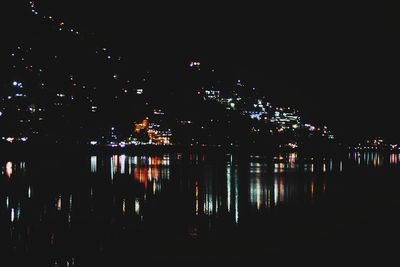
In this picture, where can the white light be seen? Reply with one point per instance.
(93, 164)
(12, 215)
(59, 203)
(137, 206)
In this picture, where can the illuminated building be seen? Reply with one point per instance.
(286, 118)
(156, 135)
(212, 94)
(143, 126)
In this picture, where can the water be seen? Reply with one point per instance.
(97, 209)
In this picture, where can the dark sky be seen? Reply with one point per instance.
(334, 63)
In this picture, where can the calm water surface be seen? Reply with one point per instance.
(96, 209)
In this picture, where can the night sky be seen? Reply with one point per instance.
(331, 62)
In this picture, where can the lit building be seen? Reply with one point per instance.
(212, 94)
(143, 126)
(157, 136)
(286, 118)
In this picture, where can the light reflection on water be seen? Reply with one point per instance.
(374, 158)
(269, 189)
(148, 171)
(9, 168)
(124, 190)
(232, 187)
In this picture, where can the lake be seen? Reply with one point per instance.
(207, 208)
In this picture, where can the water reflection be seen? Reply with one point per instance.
(58, 203)
(9, 169)
(122, 193)
(374, 158)
(93, 164)
(284, 163)
(12, 215)
(267, 190)
(216, 192)
(148, 171)
(394, 159)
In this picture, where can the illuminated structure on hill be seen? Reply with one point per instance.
(156, 135)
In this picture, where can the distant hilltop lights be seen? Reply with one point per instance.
(57, 23)
(32, 69)
(235, 97)
(104, 103)
(236, 100)
(284, 119)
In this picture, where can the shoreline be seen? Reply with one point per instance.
(40, 149)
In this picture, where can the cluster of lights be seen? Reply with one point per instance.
(259, 109)
(60, 24)
(17, 84)
(21, 57)
(104, 50)
(285, 118)
(376, 144)
(194, 64)
(63, 27)
(15, 139)
(33, 8)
